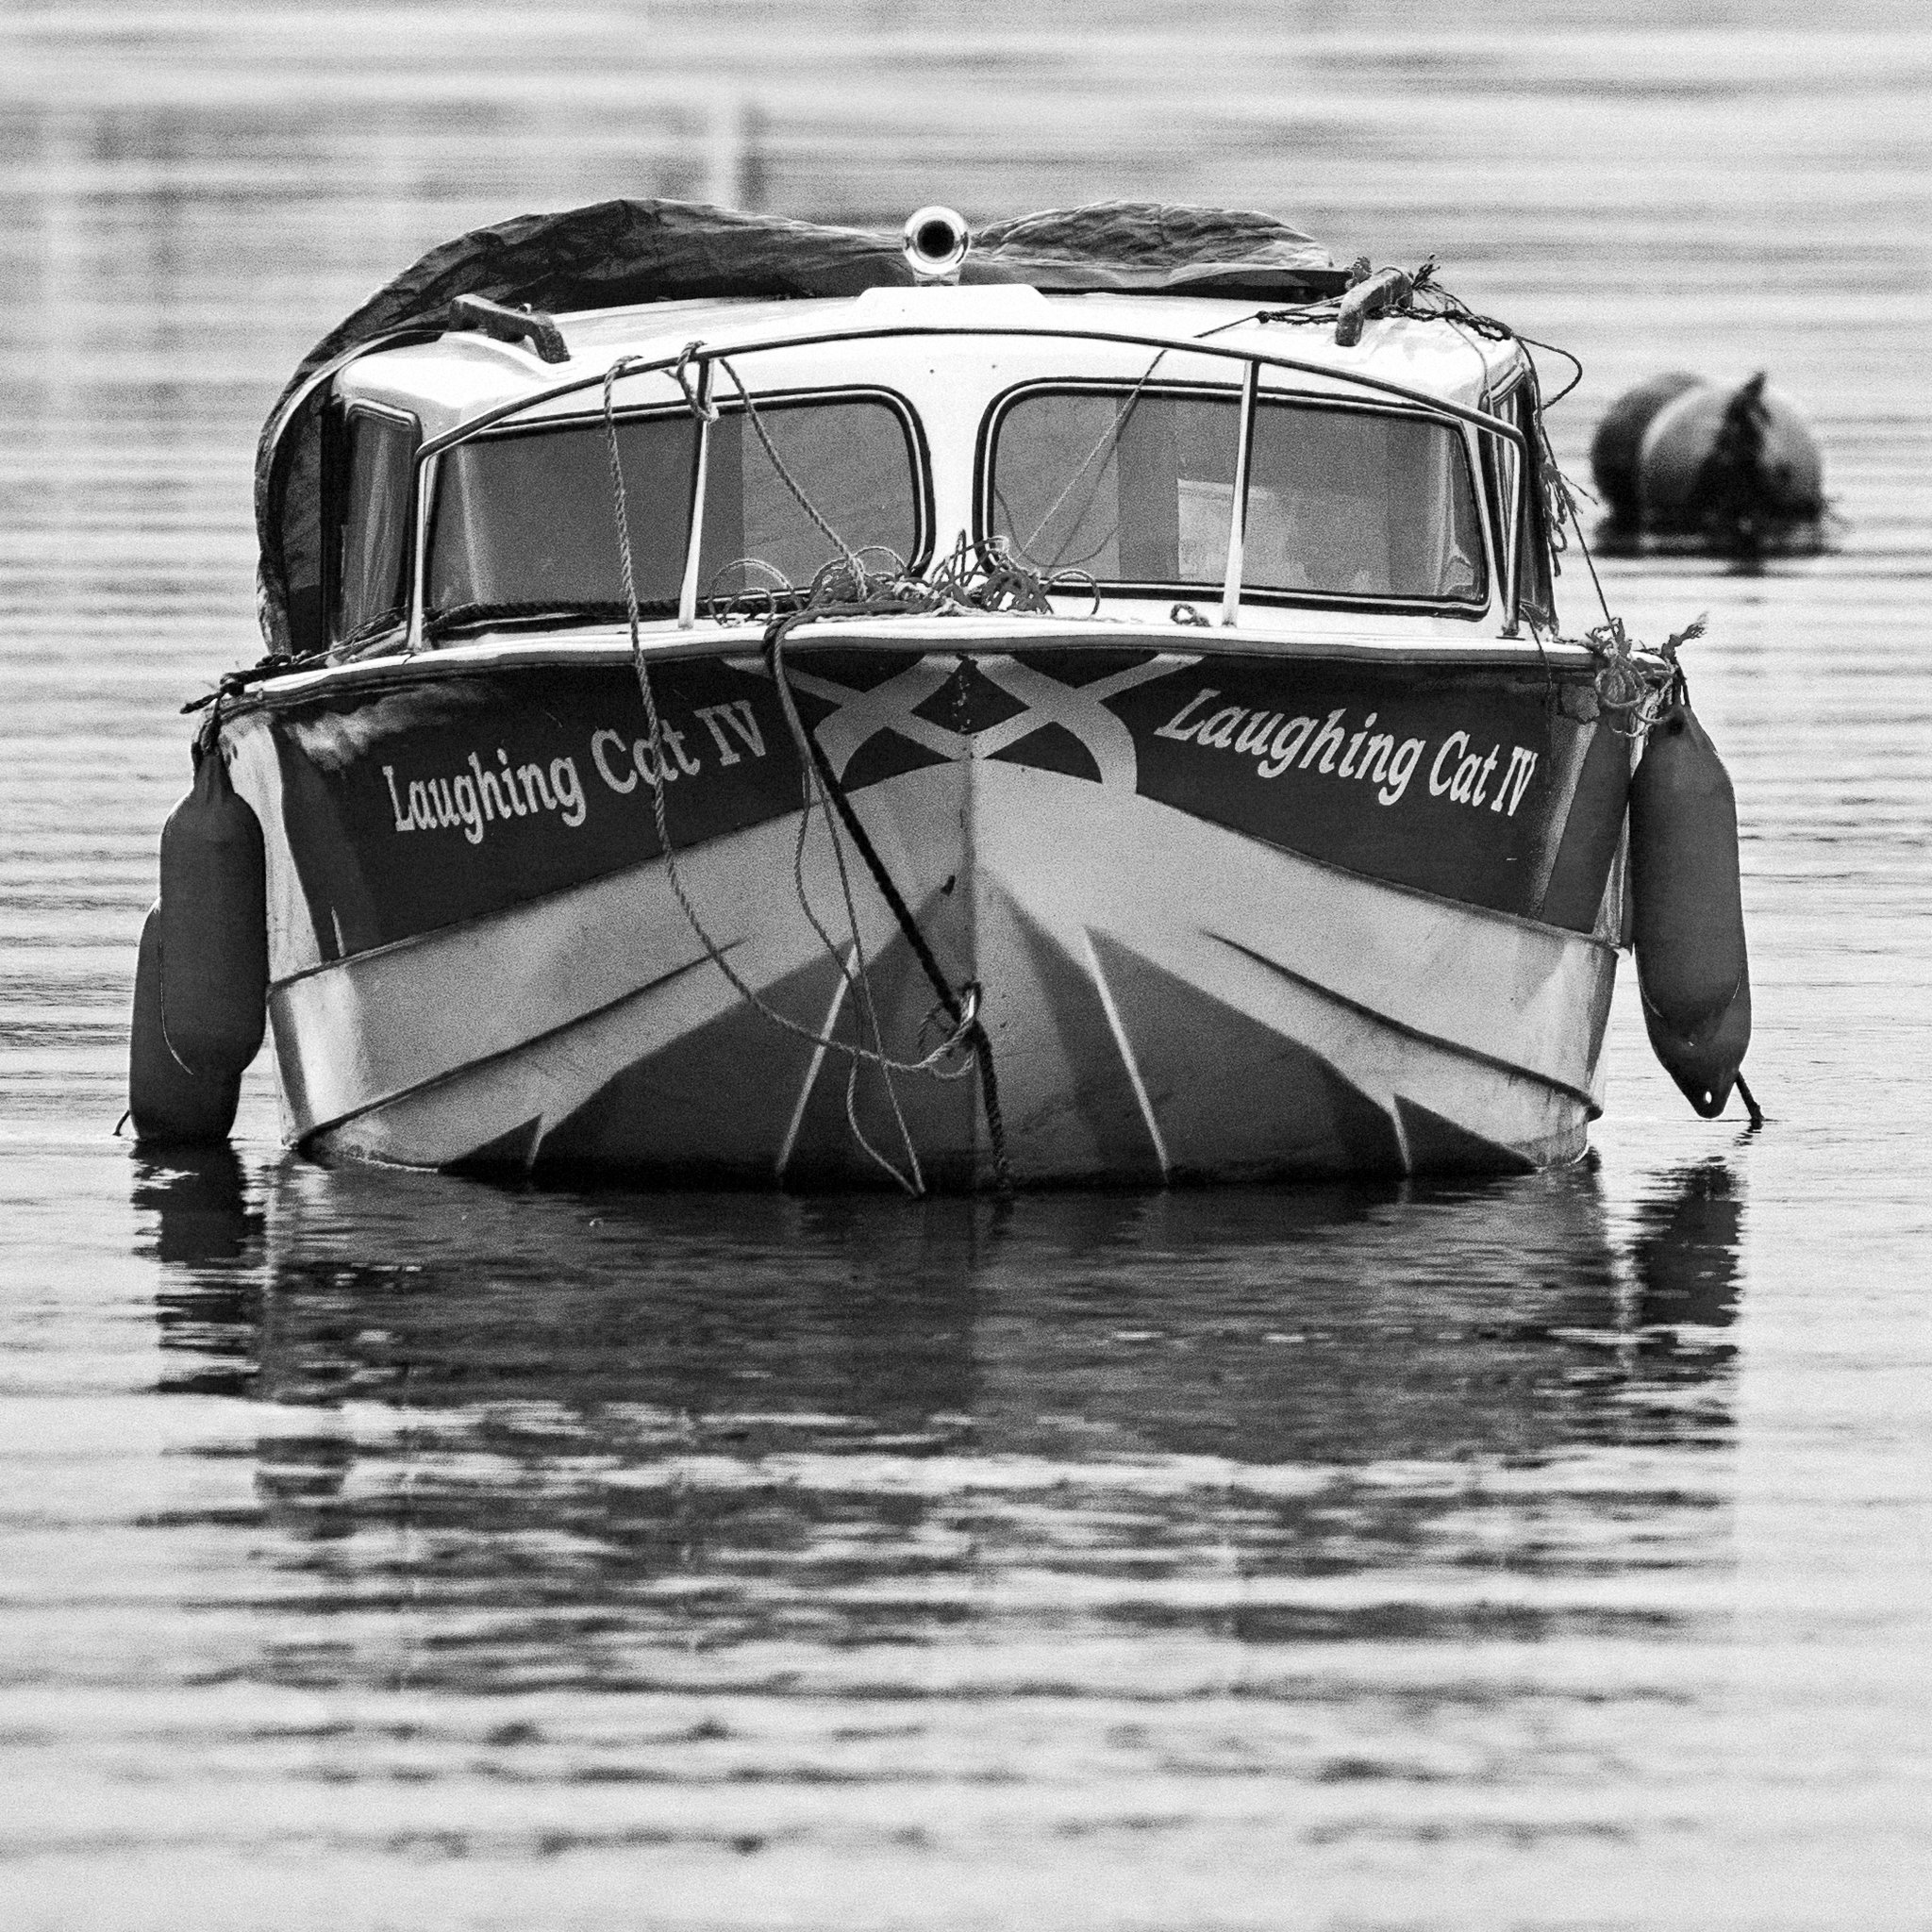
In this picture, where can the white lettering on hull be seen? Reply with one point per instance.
(1328, 748)
(480, 794)
(472, 800)
(735, 720)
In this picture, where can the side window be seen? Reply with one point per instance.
(1517, 502)
(378, 452)
(1502, 478)
(1537, 592)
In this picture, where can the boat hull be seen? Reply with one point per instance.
(1233, 916)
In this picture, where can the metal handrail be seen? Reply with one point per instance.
(1238, 504)
(699, 353)
(695, 535)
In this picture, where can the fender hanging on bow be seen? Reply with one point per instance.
(1686, 894)
(201, 986)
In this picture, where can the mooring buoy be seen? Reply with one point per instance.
(1686, 464)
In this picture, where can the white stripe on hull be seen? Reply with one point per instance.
(1165, 998)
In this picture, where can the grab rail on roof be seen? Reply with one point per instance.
(700, 352)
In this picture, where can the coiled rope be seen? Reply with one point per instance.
(1632, 697)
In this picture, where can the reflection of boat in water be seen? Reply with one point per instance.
(832, 1523)
(1347, 1325)
(610, 1438)
(1233, 807)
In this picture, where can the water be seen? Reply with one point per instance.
(391, 1551)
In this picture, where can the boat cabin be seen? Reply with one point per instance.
(1100, 441)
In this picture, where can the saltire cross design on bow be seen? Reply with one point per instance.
(893, 706)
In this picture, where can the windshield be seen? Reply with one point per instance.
(1136, 489)
(526, 517)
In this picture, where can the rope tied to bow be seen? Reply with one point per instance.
(1632, 697)
(843, 587)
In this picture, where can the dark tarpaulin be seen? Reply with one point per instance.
(615, 252)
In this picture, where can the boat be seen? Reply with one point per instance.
(757, 703)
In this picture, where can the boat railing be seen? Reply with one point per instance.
(693, 365)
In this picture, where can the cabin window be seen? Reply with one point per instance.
(1136, 489)
(1126, 488)
(525, 520)
(373, 541)
(1503, 478)
(1502, 467)
(1517, 507)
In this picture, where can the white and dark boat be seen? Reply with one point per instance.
(753, 702)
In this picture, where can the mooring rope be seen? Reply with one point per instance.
(846, 588)
(1632, 698)
(1109, 441)
(856, 1052)
(960, 1005)
(843, 587)
(779, 463)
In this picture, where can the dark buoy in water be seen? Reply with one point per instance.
(1688, 900)
(1618, 444)
(1684, 464)
(201, 986)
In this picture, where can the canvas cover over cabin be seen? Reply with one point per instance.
(1081, 428)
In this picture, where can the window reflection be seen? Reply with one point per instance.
(527, 518)
(1135, 486)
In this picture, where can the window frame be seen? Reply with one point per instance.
(1535, 567)
(1473, 608)
(1508, 511)
(926, 520)
(336, 470)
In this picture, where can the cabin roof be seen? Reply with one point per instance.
(465, 375)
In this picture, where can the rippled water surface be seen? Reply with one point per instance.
(383, 1550)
